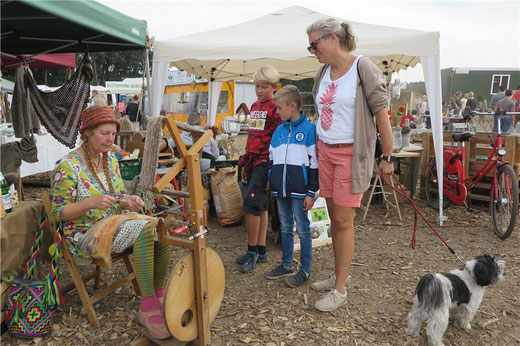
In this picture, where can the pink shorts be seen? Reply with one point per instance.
(335, 169)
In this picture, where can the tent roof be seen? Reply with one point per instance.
(63, 60)
(36, 26)
(280, 39)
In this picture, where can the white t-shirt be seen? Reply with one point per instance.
(337, 99)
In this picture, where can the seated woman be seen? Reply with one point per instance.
(87, 187)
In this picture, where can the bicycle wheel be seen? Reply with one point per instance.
(432, 188)
(504, 206)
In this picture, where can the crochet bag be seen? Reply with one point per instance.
(31, 302)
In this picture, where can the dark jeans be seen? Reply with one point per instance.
(288, 210)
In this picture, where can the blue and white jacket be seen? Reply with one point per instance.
(293, 165)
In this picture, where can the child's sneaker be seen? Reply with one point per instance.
(249, 262)
(328, 283)
(331, 301)
(297, 279)
(278, 272)
(261, 258)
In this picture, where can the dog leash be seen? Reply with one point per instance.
(402, 192)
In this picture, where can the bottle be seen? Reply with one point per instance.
(6, 196)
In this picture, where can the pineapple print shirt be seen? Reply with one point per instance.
(336, 102)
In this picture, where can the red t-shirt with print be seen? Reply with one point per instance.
(263, 120)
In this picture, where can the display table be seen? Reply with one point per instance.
(49, 151)
(16, 234)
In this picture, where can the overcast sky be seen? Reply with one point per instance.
(474, 33)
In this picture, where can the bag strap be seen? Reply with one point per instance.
(35, 248)
(54, 295)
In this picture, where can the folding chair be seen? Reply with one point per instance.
(79, 281)
(379, 183)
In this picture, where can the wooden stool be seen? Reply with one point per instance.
(378, 182)
(79, 281)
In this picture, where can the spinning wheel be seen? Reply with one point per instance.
(180, 308)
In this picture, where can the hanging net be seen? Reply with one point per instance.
(60, 110)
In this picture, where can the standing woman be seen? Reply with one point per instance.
(350, 96)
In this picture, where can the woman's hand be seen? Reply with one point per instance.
(102, 202)
(132, 203)
(386, 167)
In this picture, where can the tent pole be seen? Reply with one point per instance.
(147, 73)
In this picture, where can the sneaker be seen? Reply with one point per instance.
(328, 283)
(261, 258)
(278, 272)
(331, 301)
(249, 262)
(297, 279)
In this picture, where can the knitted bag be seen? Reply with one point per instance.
(30, 302)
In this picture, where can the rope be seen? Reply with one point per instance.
(402, 192)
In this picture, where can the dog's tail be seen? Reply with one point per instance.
(433, 291)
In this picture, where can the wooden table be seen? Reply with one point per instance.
(411, 159)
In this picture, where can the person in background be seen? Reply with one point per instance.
(210, 150)
(87, 187)
(516, 98)
(464, 101)
(121, 106)
(132, 110)
(263, 120)
(97, 100)
(350, 96)
(293, 179)
(458, 102)
(505, 105)
(482, 104)
(497, 97)
(471, 103)
(422, 109)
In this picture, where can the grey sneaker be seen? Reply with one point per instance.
(297, 279)
(328, 283)
(249, 263)
(278, 272)
(261, 258)
(331, 301)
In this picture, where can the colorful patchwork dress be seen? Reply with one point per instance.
(72, 181)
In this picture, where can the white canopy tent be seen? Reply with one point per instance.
(279, 39)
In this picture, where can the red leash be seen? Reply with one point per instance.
(402, 192)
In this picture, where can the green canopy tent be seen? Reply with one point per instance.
(43, 26)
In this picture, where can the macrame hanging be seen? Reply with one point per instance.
(60, 110)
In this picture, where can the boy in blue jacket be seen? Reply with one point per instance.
(293, 179)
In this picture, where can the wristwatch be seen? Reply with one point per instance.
(388, 158)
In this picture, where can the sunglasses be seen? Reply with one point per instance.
(314, 44)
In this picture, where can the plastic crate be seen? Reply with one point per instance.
(130, 168)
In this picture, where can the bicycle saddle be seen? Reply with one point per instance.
(461, 137)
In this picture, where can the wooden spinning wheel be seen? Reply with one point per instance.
(196, 286)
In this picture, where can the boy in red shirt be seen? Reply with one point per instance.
(263, 120)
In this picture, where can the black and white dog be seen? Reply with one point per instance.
(458, 293)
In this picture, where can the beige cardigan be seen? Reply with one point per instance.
(365, 123)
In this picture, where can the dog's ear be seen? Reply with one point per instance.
(485, 270)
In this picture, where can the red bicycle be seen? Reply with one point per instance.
(503, 199)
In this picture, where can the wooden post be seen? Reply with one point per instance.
(198, 221)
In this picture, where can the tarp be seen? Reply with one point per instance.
(42, 26)
(43, 61)
(279, 39)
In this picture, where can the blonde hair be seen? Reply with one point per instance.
(329, 26)
(85, 146)
(471, 94)
(266, 74)
(289, 94)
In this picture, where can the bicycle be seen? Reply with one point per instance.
(503, 200)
